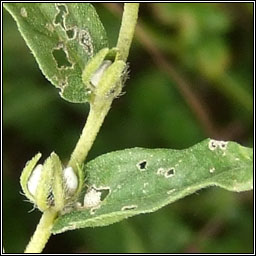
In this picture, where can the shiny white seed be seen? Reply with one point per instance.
(34, 179)
(99, 72)
(70, 179)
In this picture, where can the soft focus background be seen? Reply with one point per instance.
(191, 77)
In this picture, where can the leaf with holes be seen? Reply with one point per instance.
(62, 37)
(125, 183)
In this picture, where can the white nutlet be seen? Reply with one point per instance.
(92, 198)
(99, 72)
(34, 179)
(70, 179)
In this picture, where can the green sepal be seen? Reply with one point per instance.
(25, 175)
(57, 183)
(93, 65)
(110, 84)
(80, 172)
(43, 197)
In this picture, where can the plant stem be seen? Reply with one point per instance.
(129, 20)
(94, 121)
(99, 109)
(42, 233)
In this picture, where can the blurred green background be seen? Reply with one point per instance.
(206, 48)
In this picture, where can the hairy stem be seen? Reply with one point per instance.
(42, 233)
(94, 122)
(129, 20)
(99, 109)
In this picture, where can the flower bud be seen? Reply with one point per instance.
(48, 185)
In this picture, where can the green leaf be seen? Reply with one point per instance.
(143, 180)
(62, 37)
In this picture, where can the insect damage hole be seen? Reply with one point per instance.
(71, 33)
(86, 41)
(223, 145)
(61, 15)
(129, 207)
(142, 165)
(213, 144)
(94, 196)
(61, 57)
(169, 173)
(104, 192)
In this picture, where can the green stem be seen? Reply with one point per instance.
(42, 233)
(126, 33)
(94, 121)
(99, 110)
